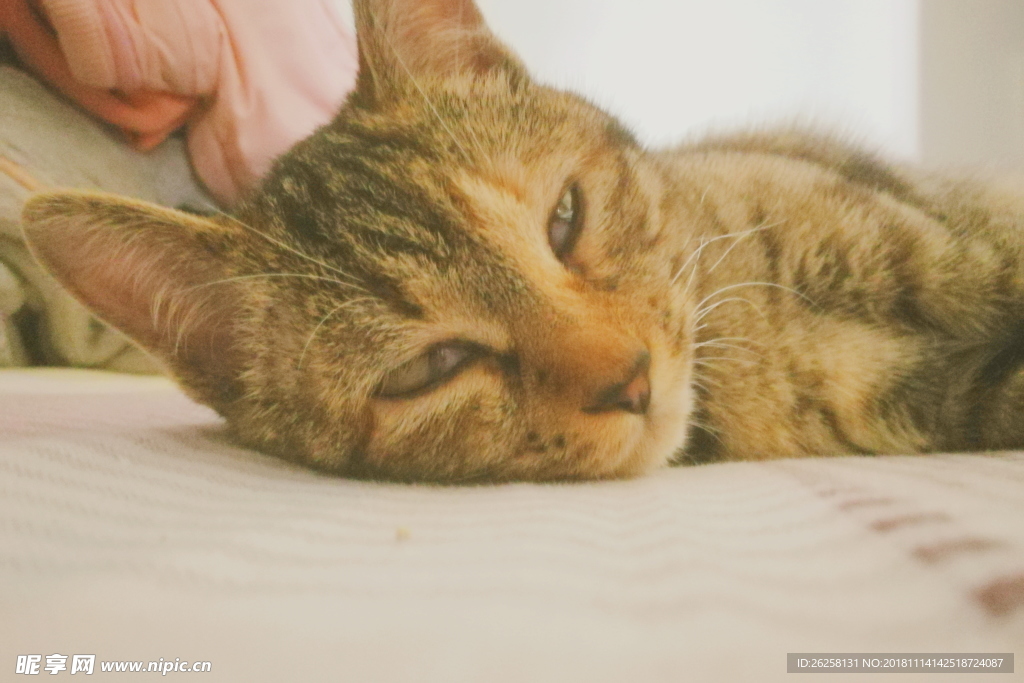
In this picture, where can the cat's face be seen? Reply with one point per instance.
(463, 277)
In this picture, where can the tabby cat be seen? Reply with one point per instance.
(470, 276)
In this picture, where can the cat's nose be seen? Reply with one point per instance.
(632, 395)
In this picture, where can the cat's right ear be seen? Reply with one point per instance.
(156, 274)
(403, 43)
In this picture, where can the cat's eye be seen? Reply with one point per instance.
(440, 363)
(564, 224)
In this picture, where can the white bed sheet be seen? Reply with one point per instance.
(132, 529)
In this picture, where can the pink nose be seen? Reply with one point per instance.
(631, 396)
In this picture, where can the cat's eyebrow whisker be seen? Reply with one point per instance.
(318, 278)
(282, 245)
(323, 320)
(426, 99)
(458, 49)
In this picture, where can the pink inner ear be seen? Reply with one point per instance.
(401, 39)
(160, 295)
(144, 270)
(457, 13)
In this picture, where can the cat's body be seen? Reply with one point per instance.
(470, 276)
(889, 314)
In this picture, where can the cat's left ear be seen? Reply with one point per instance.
(162, 277)
(405, 42)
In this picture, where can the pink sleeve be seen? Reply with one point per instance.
(268, 72)
(285, 69)
(130, 45)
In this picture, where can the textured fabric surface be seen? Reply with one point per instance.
(131, 528)
(58, 146)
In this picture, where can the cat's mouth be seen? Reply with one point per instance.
(664, 428)
(632, 395)
(647, 428)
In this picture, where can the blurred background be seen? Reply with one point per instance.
(933, 81)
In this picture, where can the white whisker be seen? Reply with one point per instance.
(755, 284)
(704, 378)
(282, 245)
(682, 455)
(705, 361)
(727, 339)
(740, 236)
(704, 243)
(695, 254)
(703, 312)
(719, 345)
(323, 320)
(426, 99)
(318, 278)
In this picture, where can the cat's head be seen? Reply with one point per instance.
(464, 276)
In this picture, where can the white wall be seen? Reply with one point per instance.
(673, 68)
(938, 81)
(972, 83)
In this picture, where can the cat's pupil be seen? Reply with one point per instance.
(558, 234)
(565, 208)
(431, 368)
(444, 358)
(564, 224)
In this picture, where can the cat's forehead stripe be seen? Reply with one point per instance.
(345, 191)
(381, 213)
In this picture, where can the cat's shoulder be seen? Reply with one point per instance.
(799, 147)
